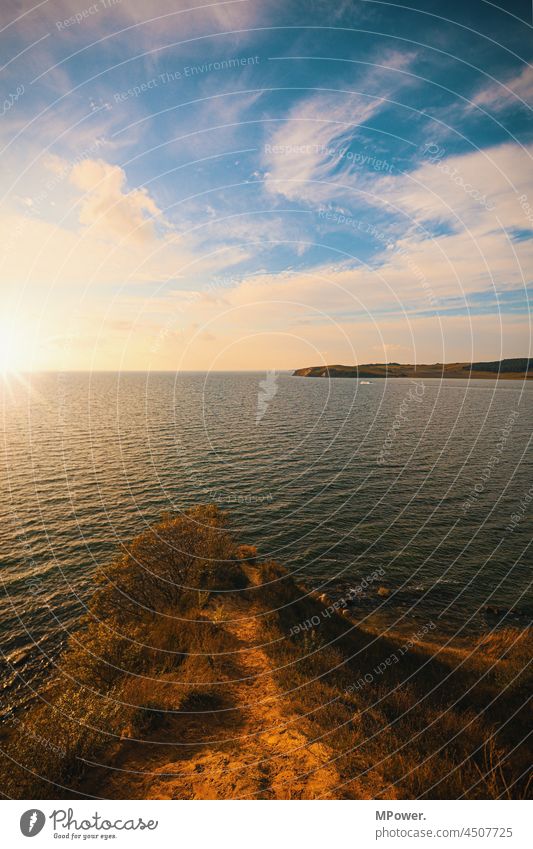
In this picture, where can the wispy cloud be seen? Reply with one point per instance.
(516, 91)
(303, 159)
(189, 210)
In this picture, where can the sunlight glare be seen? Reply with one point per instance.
(14, 342)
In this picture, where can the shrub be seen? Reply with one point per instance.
(110, 680)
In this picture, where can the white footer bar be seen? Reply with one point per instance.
(268, 825)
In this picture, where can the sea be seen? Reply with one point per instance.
(410, 498)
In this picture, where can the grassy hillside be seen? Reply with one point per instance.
(511, 369)
(200, 672)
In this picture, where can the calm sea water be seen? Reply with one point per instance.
(334, 478)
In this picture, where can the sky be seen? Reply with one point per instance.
(257, 184)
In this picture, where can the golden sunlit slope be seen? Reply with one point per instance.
(200, 672)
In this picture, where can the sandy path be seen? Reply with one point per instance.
(258, 750)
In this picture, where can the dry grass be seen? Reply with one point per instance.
(140, 636)
(155, 647)
(442, 725)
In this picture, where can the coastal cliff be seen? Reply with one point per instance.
(200, 672)
(510, 369)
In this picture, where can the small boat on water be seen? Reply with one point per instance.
(365, 382)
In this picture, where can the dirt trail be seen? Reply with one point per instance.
(251, 750)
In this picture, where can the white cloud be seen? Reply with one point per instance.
(477, 195)
(303, 158)
(108, 207)
(517, 91)
(104, 235)
(412, 270)
(305, 152)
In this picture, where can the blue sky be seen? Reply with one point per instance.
(265, 185)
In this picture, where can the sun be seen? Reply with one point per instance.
(14, 348)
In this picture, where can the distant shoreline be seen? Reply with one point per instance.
(510, 369)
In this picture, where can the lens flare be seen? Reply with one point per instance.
(14, 348)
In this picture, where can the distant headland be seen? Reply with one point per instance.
(520, 368)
